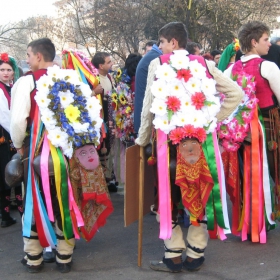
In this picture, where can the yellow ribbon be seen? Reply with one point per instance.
(78, 65)
(57, 177)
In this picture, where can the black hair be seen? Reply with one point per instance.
(176, 30)
(131, 63)
(215, 52)
(8, 62)
(238, 55)
(44, 46)
(191, 47)
(150, 43)
(99, 58)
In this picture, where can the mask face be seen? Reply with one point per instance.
(88, 157)
(190, 150)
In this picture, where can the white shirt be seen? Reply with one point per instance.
(20, 108)
(5, 115)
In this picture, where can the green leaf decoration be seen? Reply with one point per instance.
(244, 82)
(239, 118)
(208, 103)
(169, 115)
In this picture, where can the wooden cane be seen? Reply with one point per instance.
(141, 204)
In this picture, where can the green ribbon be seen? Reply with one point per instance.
(68, 229)
(214, 204)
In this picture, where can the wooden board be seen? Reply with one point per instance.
(131, 199)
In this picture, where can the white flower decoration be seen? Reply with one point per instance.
(159, 89)
(48, 119)
(176, 88)
(87, 92)
(208, 86)
(55, 72)
(213, 107)
(57, 136)
(72, 76)
(159, 107)
(42, 100)
(161, 122)
(197, 119)
(193, 85)
(197, 69)
(43, 84)
(68, 149)
(66, 98)
(79, 128)
(179, 61)
(93, 106)
(165, 72)
(179, 119)
(186, 104)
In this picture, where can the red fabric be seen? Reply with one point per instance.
(231, 168)
(165, 58)
(36, 76)
(263, 91)
(7, 95)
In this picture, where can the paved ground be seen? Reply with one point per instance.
(112, 255)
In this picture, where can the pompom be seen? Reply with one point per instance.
(103, 151)
(152, 160)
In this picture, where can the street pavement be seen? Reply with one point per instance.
(112, 255)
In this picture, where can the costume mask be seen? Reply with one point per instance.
(190, 150)
(88, 157)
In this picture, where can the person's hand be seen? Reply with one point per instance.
(97, 90)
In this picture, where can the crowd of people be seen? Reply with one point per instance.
(213, 119)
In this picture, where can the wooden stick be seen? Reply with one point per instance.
(141, 205)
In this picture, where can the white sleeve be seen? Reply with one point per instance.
(271, 72)
(145, 130)
(227, 72)
(20, 108)
(4, 112)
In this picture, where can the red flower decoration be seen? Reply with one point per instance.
(184, 74)
(188, 130)
(4, 57)
(200, 134)
(173, 103)
(176, 135)
(198, 100)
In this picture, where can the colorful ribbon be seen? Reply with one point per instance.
(214, 207)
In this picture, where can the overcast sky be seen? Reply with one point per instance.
(15, 10)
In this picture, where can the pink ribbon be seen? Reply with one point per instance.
(164, 186)
(44, 167)
(73, 205)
